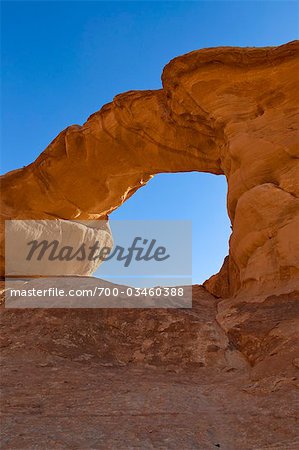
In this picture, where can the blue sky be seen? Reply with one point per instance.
(61, 61)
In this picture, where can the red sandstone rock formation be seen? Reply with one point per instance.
(223, 110)
(222, 374)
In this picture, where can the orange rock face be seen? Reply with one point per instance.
(228, 111)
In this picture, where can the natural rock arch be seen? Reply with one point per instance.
(223, 110)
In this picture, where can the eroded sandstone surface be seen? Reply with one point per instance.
(151, 379)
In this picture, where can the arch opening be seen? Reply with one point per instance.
(196, 196)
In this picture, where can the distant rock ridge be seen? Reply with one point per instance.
(225, 110)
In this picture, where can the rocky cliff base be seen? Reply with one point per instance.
(201, 378)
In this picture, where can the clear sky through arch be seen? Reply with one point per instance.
(200, 197)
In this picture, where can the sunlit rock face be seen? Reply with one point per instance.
(223, 110)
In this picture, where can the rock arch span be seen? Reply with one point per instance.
(223, 110)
